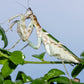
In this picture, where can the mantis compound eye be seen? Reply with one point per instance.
(29, 9)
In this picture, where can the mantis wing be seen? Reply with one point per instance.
(57, 49)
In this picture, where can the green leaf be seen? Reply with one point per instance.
(82, 54)
(39, 81)
(3, 60)
(19, 82)
(4, 56)
(77, 70)
(41, 56)
(49, 35)
(62, 80)
(7, 78)
(53, 73)
(5, 52)
(1, 78)
(82, 61)
(17, 57)
(4, 38)
(22, 76)
(26, 78)
(8, 68)
(8, 82)
(19, 75)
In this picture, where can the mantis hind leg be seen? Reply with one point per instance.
(65, 70)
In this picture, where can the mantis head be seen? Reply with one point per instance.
(28, 13)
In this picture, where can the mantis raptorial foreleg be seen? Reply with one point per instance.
(29, 30)
(15, 44)
(22, 30)
(13, 22)
(14, 17)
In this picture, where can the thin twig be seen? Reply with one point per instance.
(4, 55)
(47, 62)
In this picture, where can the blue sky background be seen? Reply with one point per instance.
(64, 19)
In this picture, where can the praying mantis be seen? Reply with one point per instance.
(52, 46)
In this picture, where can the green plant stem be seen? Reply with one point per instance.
(47, 62)
(4, 55)
(42, 62)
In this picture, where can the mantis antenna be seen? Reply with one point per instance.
(3, 22)
(21, 5)
(28, 3)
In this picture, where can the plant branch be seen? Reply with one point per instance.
(4, 55)
(47, 62)
(40, 62)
